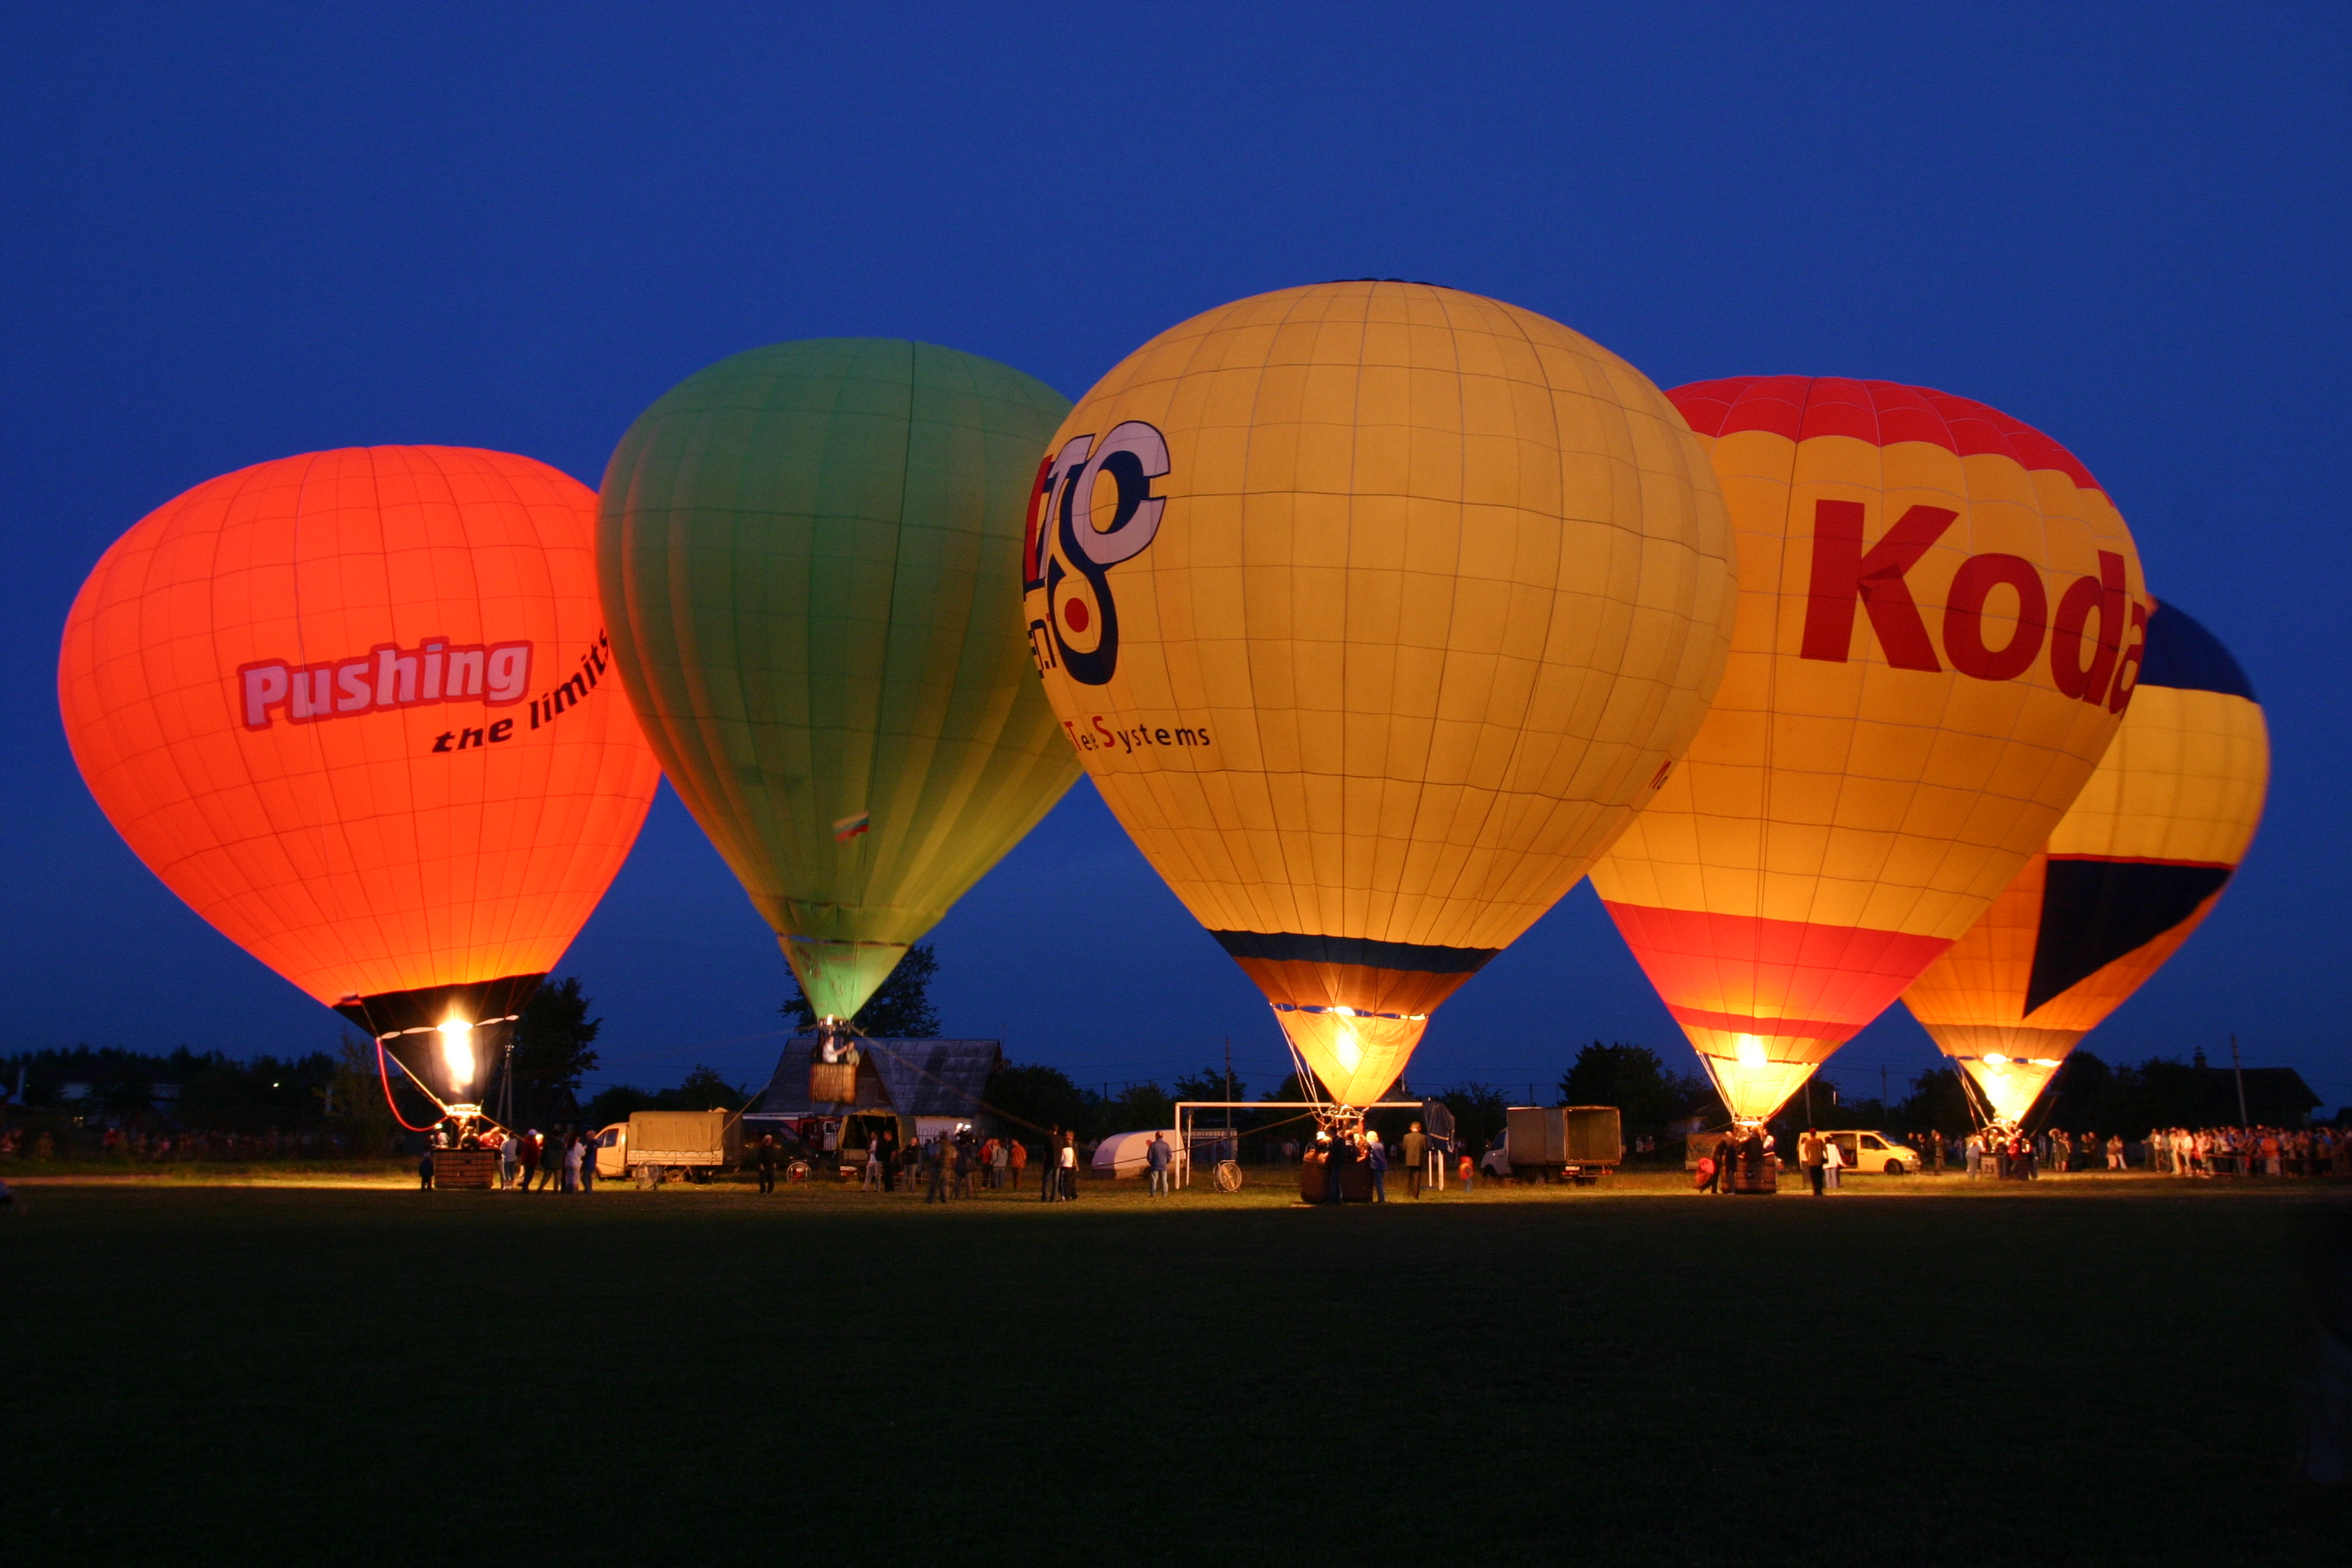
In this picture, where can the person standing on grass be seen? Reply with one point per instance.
(425, 1169)
(1016, 1163)
(967, 1161)
(574, 1146)
(587, 1162)
(1416, 1160)
(1049, 1168)
(1723, 1157)
(1811, 1158)
(938, 1192)
(1069, 1160)
(509, 1146)
(1832, 1162)
(1155, 1160)
(1335, 1168)
(1376, 1156)
(765, 1156)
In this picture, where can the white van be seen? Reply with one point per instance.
(1876, 1151)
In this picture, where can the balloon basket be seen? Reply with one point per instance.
(476, 1169)
(1762, 1177)
(833, 1083)
(1314, 1182)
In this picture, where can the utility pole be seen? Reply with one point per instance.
(2238, 1069)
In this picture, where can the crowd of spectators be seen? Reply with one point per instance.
(142, 1147)
(2170, 1151)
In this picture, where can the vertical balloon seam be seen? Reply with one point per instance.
(296, 897)
(581, 806)
(743, 765)
(1244, 888)
(1509, 773)
(338, 833)
(1916, 786)
(735, 749)
(993, 744)
(971, 712)
(917, 716)
(1289, 883)
(1248, 887)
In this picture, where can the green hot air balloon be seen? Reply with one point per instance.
(810, 559)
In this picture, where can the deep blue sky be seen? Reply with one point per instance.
(256, 232)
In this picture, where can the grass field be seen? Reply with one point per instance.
(2085, 1372)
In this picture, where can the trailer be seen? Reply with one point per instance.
(1580, 1144)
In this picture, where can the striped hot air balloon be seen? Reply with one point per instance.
(1940, 615)
(2131, 870)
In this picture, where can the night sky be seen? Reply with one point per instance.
(237, 236)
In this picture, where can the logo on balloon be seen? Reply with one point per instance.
(1091, 509)
(2094, 667)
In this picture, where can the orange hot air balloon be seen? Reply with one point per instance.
(354, 708)
(2134, 867)
(1940, 613)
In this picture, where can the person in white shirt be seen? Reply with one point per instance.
(1832, 1162)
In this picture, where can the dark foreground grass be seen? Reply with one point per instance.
(2081, 1374)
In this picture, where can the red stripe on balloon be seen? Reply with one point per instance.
(1879, 412)
(1752, 975)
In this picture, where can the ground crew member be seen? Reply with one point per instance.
(1416, 1159)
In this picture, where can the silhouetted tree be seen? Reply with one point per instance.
(554, 1036)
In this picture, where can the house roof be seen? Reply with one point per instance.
(912, 1078)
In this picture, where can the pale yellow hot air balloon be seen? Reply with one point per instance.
(1375, 610)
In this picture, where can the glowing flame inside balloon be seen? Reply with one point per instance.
(1751, 1049)
(1995, 1059)
(457, 1055)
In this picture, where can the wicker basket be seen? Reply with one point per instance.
(832, 1083)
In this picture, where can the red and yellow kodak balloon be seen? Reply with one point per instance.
(1940, 623)
(2131, 870)
(1374, 609)
(354, 708)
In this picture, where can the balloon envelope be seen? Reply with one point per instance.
(2134, 867)
(810, 555)
(354, 708)
(1939, 624)
(1373, 610)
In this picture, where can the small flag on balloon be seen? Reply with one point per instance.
(848, 827)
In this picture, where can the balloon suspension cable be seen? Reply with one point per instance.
(1988, 1121)
(1330, 1115)
(1741, 1126)
(384, 1075)
(464, 1116)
